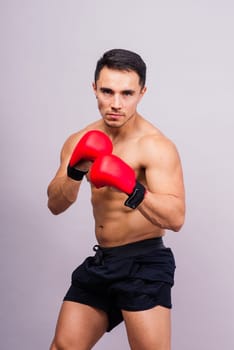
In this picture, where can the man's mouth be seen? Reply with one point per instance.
(115, 115)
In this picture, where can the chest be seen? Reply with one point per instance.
(130, 153)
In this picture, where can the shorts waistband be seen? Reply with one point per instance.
(130, 249)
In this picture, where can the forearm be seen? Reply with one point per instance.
(62, 193)
(165, 211)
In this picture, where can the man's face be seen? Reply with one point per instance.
(118, 94)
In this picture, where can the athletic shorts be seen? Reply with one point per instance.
(132, 277)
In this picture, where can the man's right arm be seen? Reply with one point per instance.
(62, 190)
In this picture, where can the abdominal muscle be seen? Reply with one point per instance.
(116, 224)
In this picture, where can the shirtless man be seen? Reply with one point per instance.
(137, 193)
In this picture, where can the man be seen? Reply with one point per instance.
(137, 193)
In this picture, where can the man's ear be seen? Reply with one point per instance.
(143, 90)
(94, 85)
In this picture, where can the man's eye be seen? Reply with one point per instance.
(127, 93)
(106, 91)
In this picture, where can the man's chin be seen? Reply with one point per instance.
(113, 124)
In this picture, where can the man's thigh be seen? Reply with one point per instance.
(149, 329)
(79, 326)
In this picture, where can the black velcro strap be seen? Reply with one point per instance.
(75, 174)
(136, 197)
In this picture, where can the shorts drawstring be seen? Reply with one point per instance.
(98, 258)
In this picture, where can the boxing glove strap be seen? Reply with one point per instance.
(75, 174)
(136, 197)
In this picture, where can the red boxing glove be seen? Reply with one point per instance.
(110, 170)
(93, 144)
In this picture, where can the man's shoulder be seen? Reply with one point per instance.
(154, 143)
(152, 135)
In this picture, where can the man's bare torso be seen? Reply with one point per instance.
(116, 224)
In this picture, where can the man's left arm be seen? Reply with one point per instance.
(164, 200)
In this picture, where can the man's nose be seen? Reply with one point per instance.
(116, 102)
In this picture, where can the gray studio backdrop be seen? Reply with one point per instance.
(48, 53)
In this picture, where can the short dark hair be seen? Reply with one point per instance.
(121, 59)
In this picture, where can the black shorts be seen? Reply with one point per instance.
(132, 277)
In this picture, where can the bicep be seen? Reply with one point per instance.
(164, 172)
